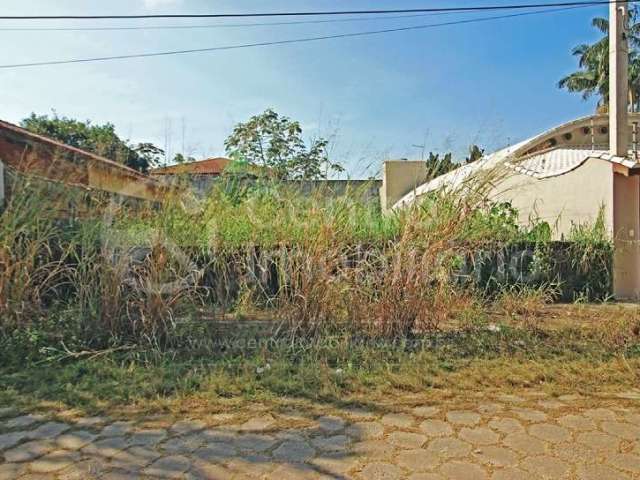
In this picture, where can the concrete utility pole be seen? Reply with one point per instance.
(618, 79)
(626, 188)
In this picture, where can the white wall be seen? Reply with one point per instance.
(576, 196)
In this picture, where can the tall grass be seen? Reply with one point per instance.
(115, 273)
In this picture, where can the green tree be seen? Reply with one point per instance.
(99, 139)
(439, 165)
(475, 153)
(593, 59)
(274, 143)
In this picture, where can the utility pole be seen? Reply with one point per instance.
(618, 79)
(626, 188)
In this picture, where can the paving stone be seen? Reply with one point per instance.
(425, 411)
(479, 436)
(552, 404)
(54, 461)
(622, 430)
(599, 441)
(255, 442)
(374, 448)
(359, 414)
(449, 447)
(546, 466)
(293, 472)
(296, 452)
(187, 426)
(106, 447)
(599, 472)
(463, 417)
(330, 423)
(490, 408)
(116, 429)
(22, 421)
(510, 473)
(417, 460)
(8, 440)
(134, 459)
(573, 452)
(530, 415)
(407, 439)
(496, 456)
(215, 452)
(252, 465)
(625, 461)
(549, 432)
(425, 476)
(75, 440)
(168, 467)
(84, 470)
(525, 444)
(506, 425)
(365, 430)
(399, 420)
(48, 430)
(335, 465)
(463, 471)
(201, 470)
(11, 471)
(600, 414)
(381, 471)
(436, 428)
(38, 476)
(569, 398)
(510, 398)
(120, 475)
(90, 421)
(28, 451)
(577, 422)
(183, 445)
(147, 437)
(335, 443)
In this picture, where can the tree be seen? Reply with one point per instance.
(593, 60)
(274, 144)
(437, 165)
(99, 139)
(475, 153)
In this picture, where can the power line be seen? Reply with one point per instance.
(317, 13)
(284, 42)
(219, 25)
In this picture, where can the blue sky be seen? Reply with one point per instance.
(490, 83)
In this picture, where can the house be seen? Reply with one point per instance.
(25, 152)
(565, 176)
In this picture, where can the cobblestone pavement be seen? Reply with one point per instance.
(500, 437)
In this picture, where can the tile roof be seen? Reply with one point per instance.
(210, 166)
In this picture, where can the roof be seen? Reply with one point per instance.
(210, 166)
(35, 154)
(552, 153)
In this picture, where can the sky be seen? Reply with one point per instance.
(389, 96)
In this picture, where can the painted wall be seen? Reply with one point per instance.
(573, 198)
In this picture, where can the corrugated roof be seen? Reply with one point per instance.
(210, 166)
(542, 156)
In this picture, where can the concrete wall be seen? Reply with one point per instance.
(399, 177)
(201, 185)
(575, 197)
(626, 200)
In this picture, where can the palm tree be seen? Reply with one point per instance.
(593, 60)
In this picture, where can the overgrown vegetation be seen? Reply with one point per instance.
(351, 298)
